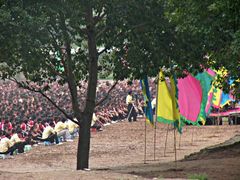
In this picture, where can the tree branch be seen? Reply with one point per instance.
(118, 34)
(51, 66)
(26, 86)
(104, 98)
(99, 17)
(101, 32)
(54, 39)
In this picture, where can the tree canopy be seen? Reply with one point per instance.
(217, 25)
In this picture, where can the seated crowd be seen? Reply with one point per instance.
(27, 118)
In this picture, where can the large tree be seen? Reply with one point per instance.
(72, 41)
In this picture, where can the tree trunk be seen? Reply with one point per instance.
(84, 134)
(83, 144)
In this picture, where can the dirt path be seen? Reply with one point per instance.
(118, 153)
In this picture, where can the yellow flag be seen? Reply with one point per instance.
(167, 110)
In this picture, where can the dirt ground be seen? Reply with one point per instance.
(118, 153)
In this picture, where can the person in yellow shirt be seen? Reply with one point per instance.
(49, 134)
(15, 139)
(6, 146)
(62, 131)
(131, 110)
(72, 127)
(94, 119)
(17, 142)
(96, 123)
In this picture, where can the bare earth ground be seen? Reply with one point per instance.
(118, 153)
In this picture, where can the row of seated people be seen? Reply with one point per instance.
(51, 131)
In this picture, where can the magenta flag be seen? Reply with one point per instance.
(189, 98)
(209, 102)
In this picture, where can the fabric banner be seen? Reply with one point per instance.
(147, 100)
(209, 101)
(189, 99)
(205, 80)
(226, 99)
(167, 108)
(210, 92)
(217, 97)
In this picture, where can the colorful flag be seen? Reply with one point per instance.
(167, 108)
(226, 98)
(205, 80)
(147, 100)
(217, 97)
(189, 99)
(217, 92)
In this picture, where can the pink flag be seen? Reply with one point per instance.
(189, 98)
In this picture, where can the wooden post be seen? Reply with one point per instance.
(175, 146)
(155, 129)
(166, 141)
(179, 145)
(192, 135)
(218, 117)
(145, 147)
(175, 149)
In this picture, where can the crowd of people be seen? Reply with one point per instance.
(27, 118)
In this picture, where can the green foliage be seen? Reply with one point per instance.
(133, 38)
(198, 176)
(138, 37)
(216, 23)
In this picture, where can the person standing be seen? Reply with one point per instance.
(131, 110)
(154, 103)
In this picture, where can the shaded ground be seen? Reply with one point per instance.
(118, 153)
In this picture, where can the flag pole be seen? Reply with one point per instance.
(145, 143)
(155, 129)
(175, 148)
(155, 124)
(166, 141)
(192, 135)
(179, 145)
